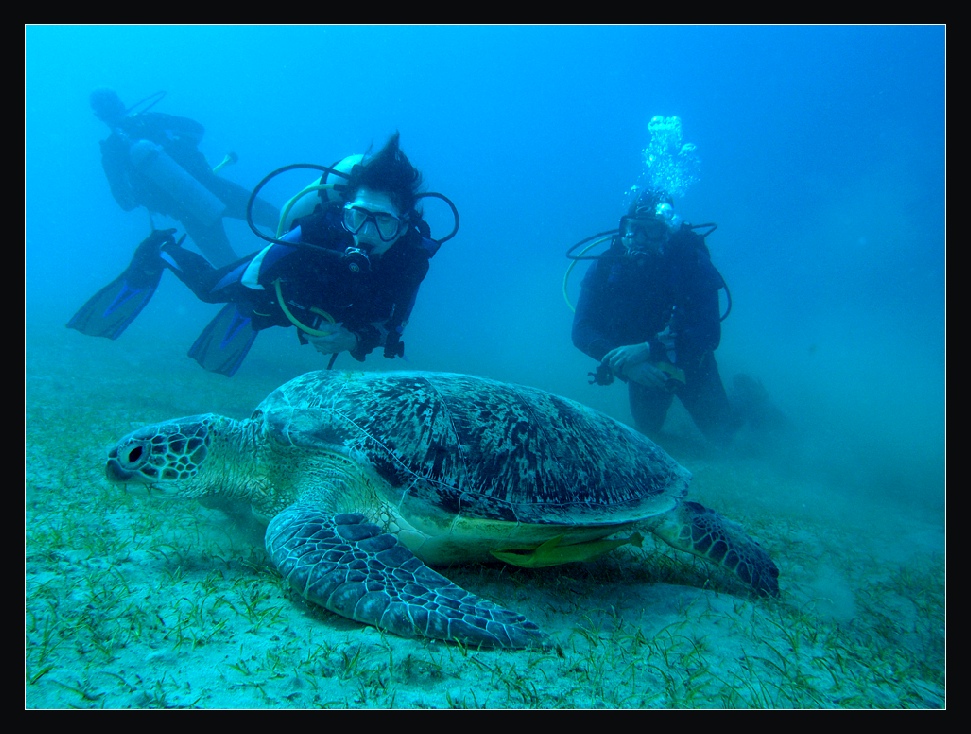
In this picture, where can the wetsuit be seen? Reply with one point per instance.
(308, 282)
(629, 299)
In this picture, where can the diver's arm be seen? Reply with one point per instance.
(621, 359)
(175, 127)
(358, 341)
(592, 335)
(589, 330)
(338, 340)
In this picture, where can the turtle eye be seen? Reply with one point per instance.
(129, 456)
(132, 461)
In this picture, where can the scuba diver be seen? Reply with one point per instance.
(648, 311)
(152, 159)
(346, 274)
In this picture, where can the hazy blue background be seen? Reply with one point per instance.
(822, 153)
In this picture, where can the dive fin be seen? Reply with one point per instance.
(224, 343)
(110, 311)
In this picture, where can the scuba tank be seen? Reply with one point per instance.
(154, 163)
(326, 186)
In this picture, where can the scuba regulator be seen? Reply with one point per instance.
(355, 260)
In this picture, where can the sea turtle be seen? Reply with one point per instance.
(364, 478)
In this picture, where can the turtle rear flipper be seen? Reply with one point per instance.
(352, 568)
(694, 528)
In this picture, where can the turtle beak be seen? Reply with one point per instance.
(115, 473)
(135, 484)
(129, 459)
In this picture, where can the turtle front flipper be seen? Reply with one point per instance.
(352, 568)
(696, 529)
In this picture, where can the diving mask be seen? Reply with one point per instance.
(648, 228)
(640, 234)
(388, 226)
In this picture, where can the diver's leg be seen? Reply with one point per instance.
(197, 274)
(704, 397)
(236, 198)
(648, 407)
(227, 339)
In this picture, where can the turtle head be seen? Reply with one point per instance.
(173, 458)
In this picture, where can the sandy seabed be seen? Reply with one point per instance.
(141, 603)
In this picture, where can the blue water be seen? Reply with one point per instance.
(822, 162)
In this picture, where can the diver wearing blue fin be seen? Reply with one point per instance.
(346, 275)
(110, 311)
(222, 345)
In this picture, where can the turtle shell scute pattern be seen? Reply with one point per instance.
(480, 448)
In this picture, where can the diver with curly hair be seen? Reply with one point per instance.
(346, 274)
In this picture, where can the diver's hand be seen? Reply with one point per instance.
(624, 358)
(648, 375)
(337, 340)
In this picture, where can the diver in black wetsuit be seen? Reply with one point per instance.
(648, 311)
(347, 282)
(152, 159)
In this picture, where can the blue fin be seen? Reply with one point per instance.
(109, 312)
(224, 343)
